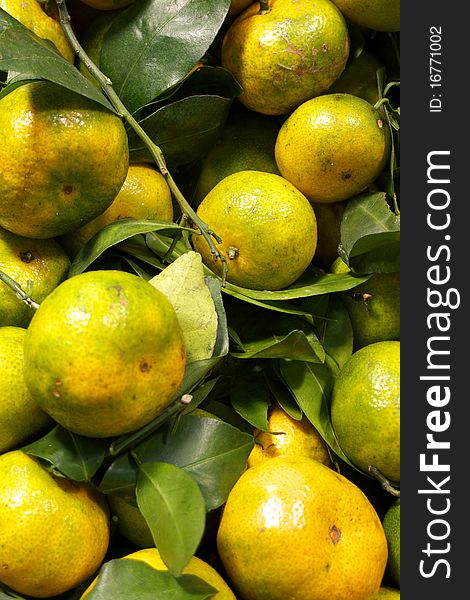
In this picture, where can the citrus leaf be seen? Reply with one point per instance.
(285, 399)
(250, 397)
(173, 506)
(120, 477)
(221, 345)
(313, 285)
(184, 285)
(204, 81)
(127, 579)
(184, 130)
(261, 336)
(210, 450)
(370, 235)
(312, 384)
(153, 44)
(72, 455)
(333, 326)
(24, 52)
(113, 234)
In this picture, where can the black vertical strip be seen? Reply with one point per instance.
(434, 250)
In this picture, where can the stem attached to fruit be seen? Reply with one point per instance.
(384, 482)
(18, 290)
(155, 151)
(264, 7)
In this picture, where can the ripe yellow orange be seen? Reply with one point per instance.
(332, 147)
(64, 159)
(54, 532)
(144, 195)
(20, 416)
(104, 353)
(288, 437)
(268, 229)
(287, 55)
(36, 264)
(293, 528)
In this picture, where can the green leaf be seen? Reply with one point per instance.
(334, 330)
(285, 399)
(251, 399)
(120, 477)
(184, 130)
(24, 52)
(312, 384)
(370, 235)
(209, 81)
(213, 452)
(173, 506)
(287, 336)
(153, 44)
(184, 285)
(113, 234)
(72, 455)
(127, 579)
(314, 284)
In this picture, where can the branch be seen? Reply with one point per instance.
(155, 151)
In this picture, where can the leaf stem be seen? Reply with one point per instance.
(155, 151)
(18, 290)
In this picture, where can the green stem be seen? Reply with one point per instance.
(155, 151)
(125, 442)
(18, 290)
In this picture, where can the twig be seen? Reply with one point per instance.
(18, 290)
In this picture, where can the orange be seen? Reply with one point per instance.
(130, 521)
(373, 307)
(236, 7)
(268, 229)
(20, 416)
(365, 408)
(391, 525)
(39, 265)
(144, 195)
(64, 159)
(247, 144)
(287, 55)
(382, 15)
(32, 14)
(360, 78)
(293, 528)
(288, 437)
(332, 147)
(104, 353)
(387, 593)
(329, 217)
(54, 532)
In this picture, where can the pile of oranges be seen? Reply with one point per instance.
(103, 186)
